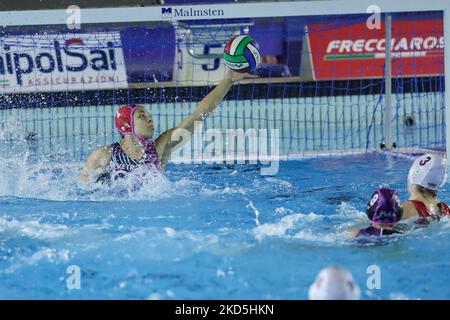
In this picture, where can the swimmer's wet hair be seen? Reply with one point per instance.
(427, 191)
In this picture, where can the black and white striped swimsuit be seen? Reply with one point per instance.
(121, 164)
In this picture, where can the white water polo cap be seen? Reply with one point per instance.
(334, 283)
(429, 171)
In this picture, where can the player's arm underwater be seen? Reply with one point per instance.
(95, 164)
(172, 139)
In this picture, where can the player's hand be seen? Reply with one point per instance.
(235, 76)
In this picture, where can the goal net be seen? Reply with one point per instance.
(322, 85)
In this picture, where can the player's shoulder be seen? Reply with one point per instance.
(102, 152)
(407, 204)
(165, 137)
(166, 134)
(409, 209)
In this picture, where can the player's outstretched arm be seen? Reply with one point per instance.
(212, 100)
(165, 143)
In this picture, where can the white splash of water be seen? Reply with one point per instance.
(250, 205)
(30, 228)
(309, 227)
(47, 254)
(276, 229)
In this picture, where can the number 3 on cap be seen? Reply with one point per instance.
(424, 162)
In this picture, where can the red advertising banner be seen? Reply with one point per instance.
(355, 51)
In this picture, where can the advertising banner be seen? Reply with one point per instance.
(355, 51)
(61, 62)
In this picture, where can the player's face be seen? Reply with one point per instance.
(143, 123)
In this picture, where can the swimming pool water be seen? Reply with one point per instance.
(210, 232)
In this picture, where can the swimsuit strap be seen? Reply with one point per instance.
(151, 155)
(421, 208)
(425, 213)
